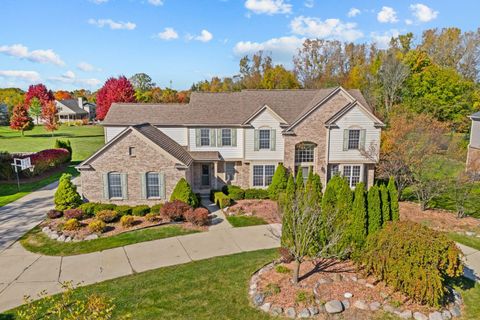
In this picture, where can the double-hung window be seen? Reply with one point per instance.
(352, 173)
(204, 137)
(353, 139)
(153, 185)
(226, 137)
(264, 139)
(262, 175)
(115, 185)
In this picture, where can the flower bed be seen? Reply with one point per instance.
(337, 288)
(264, 209)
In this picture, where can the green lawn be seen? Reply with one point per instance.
(85, 140)
(472, 242)
(244, 221)
(36, 241)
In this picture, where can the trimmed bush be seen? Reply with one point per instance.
(88, 208)
(222, 200)
(212, 194)
(184, 192)
(234, 192)
(127, 221)
(413, 259)
(359, 224)
(152, 217)
(156, 208)
(73, 214)
(106, 215)
(66, 196)
(64, 144)
(123, 210)
(279, 182)
(393, 193)
(140, 210)
(198, 217)
(97, 226)
(54, 214)
(385, 202)
(104, 206)
(72, 225)
(174, 210)
(256, 194)
(374, 210)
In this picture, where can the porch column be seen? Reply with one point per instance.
(215, 184)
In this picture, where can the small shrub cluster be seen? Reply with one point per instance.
(152, 217)
(140, 210)
(184, 193)
(66, 196)
(221, 199)
(54, 214)
(97, 226)
(123, 210)
(127, 221)
(73, 214)
(72, 225)
(198, 216)
(256, 194)
(234, 192)
(92, 208)
(174, 210)
(413, 259)
(156, 208)
(64, 144)
(106, 215)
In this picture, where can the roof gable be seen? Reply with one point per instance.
(336, 117)
(265, 108)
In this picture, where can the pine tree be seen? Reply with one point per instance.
(359, 223)
(393, 193)
(279, 182)
(20, 120)
(184, 193)
(384, 197)
(374, 210)
(66, 196)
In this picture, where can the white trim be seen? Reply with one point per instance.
(260, 110)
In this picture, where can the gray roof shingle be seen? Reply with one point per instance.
(72, 104)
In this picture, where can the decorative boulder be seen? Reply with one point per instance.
(334, 306)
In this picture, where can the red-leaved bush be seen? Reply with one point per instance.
(54, 214)
(47, 159)
(73, 214)
(174, 210)
(198, 216)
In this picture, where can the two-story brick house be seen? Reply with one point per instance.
(230, 138)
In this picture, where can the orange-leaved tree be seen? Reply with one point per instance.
(20, 119)
(50, 117)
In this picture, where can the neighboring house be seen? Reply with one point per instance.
(473, 157)
(75, 109)
(231, 138)
(4, 116)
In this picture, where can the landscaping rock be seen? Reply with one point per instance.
(333, 306)
(354, 279)
(46, 230)
(446, 315)
(258, 299)
(369, 285)
(470, 234)
(276, 311)
(313, 310)
(389, 308)
(325, 280)
(375, 306)
(91, 237)
(266, 307)
(61, 238)
(360, 304)
(435, 316)
(304, 313)
(346, 303)
(384, 295)
(290, 313)
(406, 314)
(419, 316)
(68, 239)
(348, 295)
(455, 311)
(457, 297)
(53, 236)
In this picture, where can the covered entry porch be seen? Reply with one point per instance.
(208, 171)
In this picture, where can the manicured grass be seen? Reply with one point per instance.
(470, 292)
(245, 221)
(472, 242)
(85, 140)
(36, 241)
(10, 193)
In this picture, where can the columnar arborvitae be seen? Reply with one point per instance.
(66, 196)
(313, 189)
(279, 182)
(359, 223)
(374, 210)
(385, 200)
(393, 193)
(287, 215)
(299, 185)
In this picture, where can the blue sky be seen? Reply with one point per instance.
(69, 44)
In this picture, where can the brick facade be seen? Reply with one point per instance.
(147, 158)
(473, 159)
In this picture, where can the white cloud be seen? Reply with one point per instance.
(387, 15)
(156, 2)
(383, 39)
(268, 6)
(282, 49)
(99, 1)
(423, 13)
(114, 25)
(309, 3)
(408, 22)
(30, 76)
(87, 67)
(41, 56)
(353, 12)
(167, 34)
(329, 28)
(204, 36)
(70, 77)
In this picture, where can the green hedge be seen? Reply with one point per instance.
(140, 210)
(124, 210)
(256, 194)
(234, 192)
(413, 259)
(221, 199)
(92, 208)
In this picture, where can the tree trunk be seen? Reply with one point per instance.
(296, 272)
(22, 132)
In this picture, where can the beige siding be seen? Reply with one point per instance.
(178, 134)
(112, 132)
(264, 120)
(226, 152)
(354, 119)
(475, 134)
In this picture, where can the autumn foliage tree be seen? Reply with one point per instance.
(50, 117)
(21, 120)
(62, 95)
(114, 90)
(40, 92)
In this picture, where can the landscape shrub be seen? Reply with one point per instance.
(66, 196)
(359, 223)
(88, 208)
(73, 214)
(123, 210)
(198, 216)
(234, 192)
(184, 192)
(54, 214)
(6, 169)
(212, 194)
(156, 208)
(221, 199)
(106, 215)
(174, 210)
(140, 210)
(72, 225)
(127, 221)
(385, 201)
(47, 159)
(64, 144)
(152, 217)
(97, 226)
(413, 259)
(103, 206)
(256, 194)
(279, 182)
(374, 210)
(393, 195)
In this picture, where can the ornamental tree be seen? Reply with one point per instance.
(114, 90)
(35, 109)
(20, 120)
(66, 196)
(374, 210)
(50, 117)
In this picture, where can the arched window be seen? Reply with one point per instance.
(305, 152)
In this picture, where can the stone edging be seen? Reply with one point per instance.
(336, 306)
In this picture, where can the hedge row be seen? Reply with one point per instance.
(92, 208)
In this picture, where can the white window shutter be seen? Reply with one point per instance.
(105, 187)
(162, 185)
(234, 137)
(256, 135)
(197, 137)
(124, 178)
(273, 139)
(345, 139)
(143, 181)
(363, 133)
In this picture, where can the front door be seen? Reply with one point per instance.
(205, 175)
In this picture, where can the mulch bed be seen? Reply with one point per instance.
(265, 209)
